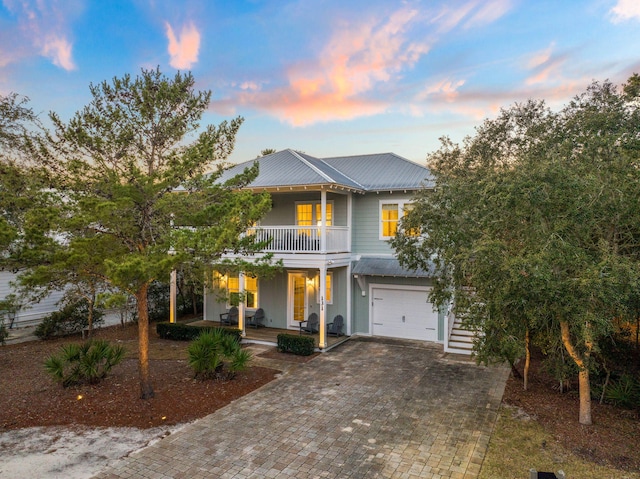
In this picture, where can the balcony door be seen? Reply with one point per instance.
(298, 306)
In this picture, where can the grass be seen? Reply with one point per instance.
(519, 443)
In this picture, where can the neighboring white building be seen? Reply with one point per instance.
(30, 314)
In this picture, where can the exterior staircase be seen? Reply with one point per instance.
(460, 340)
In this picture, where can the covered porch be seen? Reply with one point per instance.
(269, 336)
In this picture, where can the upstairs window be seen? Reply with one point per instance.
(310, 214)
(390, 213)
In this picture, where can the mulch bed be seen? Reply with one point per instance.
(614, 437)
(29, 397)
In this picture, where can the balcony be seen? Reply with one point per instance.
(302, 239)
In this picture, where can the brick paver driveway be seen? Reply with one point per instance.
(368, 409)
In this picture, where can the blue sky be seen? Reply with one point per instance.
(327, 77)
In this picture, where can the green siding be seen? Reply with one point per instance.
(272, 297)
(366, 222)
(283, 211)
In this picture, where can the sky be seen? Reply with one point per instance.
(326, 77)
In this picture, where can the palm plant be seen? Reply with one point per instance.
(214, 349)
(88, 362)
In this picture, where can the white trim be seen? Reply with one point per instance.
(400, 204)
(373, 286)
(290, 297)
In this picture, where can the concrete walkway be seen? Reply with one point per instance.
(368, 409)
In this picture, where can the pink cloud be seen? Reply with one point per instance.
(446, 90)
(42, 28)
(59, 51)
(545, 66)
(183, 50)
(625, 10)
(355, 60)
(359, 59)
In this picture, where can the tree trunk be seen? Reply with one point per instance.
(146, 391)
(583, 375)
(527, 359)
(194, 301)
(585, 397)
(89, 320)
(92, 303)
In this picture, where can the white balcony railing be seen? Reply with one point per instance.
(301, 239)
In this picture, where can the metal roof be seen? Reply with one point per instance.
(290, 169)
(383, 171)
(386, 267)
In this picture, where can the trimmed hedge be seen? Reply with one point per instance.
(186, 332)
(300, 345)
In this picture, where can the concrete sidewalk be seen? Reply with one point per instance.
(368, 409)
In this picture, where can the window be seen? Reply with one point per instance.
(310, 214)
(390, 212)
(329, 297)
(232, 284)
(389, 215)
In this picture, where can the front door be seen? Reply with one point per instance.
(297, 299)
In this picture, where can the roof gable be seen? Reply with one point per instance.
(288, 169)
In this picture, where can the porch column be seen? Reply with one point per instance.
(173, 293)
(322, 340)
(323, 221)
(349, 219)
(349, 298)
(241, 303)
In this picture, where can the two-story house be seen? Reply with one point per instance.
(330, 224)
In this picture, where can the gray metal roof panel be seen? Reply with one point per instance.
(386, 267)
(377, 172)
(383, 171)
(290, 168)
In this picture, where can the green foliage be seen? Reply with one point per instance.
(72, 318)
(300, 345)
(624, 392)
(534, 225)
(186, 332)
(88, 362)
(115, 167)
(215, 354)
(158, 301)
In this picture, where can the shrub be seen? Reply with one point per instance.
(216, 354)
(72, 318)
(88, 362)
(186, 332)
(300, 345)
(624, 392)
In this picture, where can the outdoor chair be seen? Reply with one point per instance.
(257, 319)
(230, 317)
(311, 325)
(335, 328)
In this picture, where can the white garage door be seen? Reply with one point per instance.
(403, 313)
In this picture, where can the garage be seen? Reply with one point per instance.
(403, 312)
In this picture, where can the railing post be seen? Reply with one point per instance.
(323, 223)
